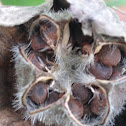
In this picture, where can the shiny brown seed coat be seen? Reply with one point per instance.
(81, 92)
(33, 58)
(37, 43)
(53, 97)
(100, 71)
(38, 93)
(99, 102)
(109, 56)
(86, 48)
(76, 107)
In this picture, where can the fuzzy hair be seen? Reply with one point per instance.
(25, 76)
(12, 15)
(56, 16)
(95, 13)
(117, 100)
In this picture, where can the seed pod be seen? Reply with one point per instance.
(38, 93)
(109, 56)
(83, 93)
(101, 71)
(76, 107)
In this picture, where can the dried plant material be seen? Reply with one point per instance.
(70, 64)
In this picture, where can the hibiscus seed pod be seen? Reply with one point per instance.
(38, 93)
(100, 71)
(76, 107)
(109, 56)
(82, 92)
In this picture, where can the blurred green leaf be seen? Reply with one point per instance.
(22, 2)
(37, 2)
(115, 2)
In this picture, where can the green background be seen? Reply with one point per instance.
(116, 2)
(22, 2)
(37, 2)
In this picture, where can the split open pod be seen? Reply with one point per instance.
(109, 63)
(67, 78)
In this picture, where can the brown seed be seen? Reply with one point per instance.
(82, 92)
(33, 58)
(87, 110)
(86, 48)
(76, 107)
(48, 31)
(117, 73)
(109, 56)
(99, 102)
(38, 93)
(115, 76)
(53, 97)
(100, 71)
(37, 42)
